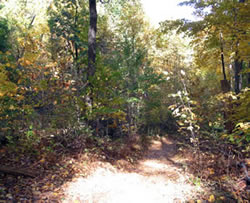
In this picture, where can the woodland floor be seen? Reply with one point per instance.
(160, 175)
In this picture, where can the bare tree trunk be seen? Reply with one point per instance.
(237, 62)
(237, 68)
(92, 38)
(75, 42)
(222, 58)
(248, 76)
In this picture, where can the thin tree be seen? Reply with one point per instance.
(237, 63)
(92, 38)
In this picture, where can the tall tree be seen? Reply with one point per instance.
(92, 38)
(237, 62)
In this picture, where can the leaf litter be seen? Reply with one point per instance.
(165, 173)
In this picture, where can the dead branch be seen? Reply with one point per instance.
(16, 172)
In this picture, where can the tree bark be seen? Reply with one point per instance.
(92, 38)
(225, 86)
(237, 62)
(248, 76)
(237, 68)
(222, 58)
(76, 40)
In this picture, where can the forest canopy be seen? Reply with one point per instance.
(65, 66)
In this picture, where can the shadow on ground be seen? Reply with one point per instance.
(163, 174)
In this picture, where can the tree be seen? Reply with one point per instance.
(68, 30)
(132, 41)
(92, 38)
(224, 29)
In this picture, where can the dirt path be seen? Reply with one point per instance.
(158, 178)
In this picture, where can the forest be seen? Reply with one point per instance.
(91, 91)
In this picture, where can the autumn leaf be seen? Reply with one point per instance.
(211, 198)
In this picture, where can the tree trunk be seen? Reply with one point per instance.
(237, 63)
(76, 41)
(248, 76)
(225, 86)
(222, 58)
(92, 38)
(237, 68)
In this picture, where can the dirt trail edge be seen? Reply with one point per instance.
(158, 178)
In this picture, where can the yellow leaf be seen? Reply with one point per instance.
(211, 198)
(211, 171)
(247, 162)
(27, 62)
(222, 198)
(224, 136)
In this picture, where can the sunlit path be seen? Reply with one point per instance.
(154, 180)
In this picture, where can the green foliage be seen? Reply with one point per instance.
(4, 33)
(9, 101)
(236, 107)
(222, 28)
(29, 141)
(106, 86)
(160, 118)
(241, 118)
(142, 80)
(68, 23)
(241, 107)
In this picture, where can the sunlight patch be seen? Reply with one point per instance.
(154, 165)
(105, 186)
